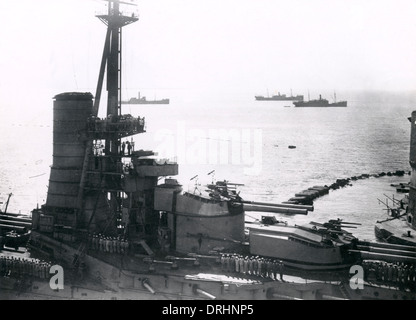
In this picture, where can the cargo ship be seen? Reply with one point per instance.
(143, 100)
(320, 103)
(119, 232)
(280, 97)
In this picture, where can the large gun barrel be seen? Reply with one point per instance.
(386, 252)
(262, 208)
(280, 205)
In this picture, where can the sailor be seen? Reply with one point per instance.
(110, 244)
(101, 243)
(7, 264)
(245, 264)
(37, 270)
(118, 243)
(105, 244)
(123, 148)
(412, 276)
(378, 271)
(14, 266)
(236, 263)
(44, 271)
(32, 268)
(122, 250)
(270, 269)
(255, 265)
(265, 267)
(126, 246)
(390, 273)
(223, 265)
(250, 265)
(241, 263)
(405, 275)
(94, 241)
(2, 265)
(274, 267)
(281, 267)
(259, 266)
(128, 147)
(228, 263)
(114, 245)
(399, 273)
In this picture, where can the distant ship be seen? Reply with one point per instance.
(320, 103)
(143, 100)
(280, 97)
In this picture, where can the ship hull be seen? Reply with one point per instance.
(107, 281)
(166, 101)
(279, 98)
(321, 105)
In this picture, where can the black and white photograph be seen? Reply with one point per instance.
(221, 152)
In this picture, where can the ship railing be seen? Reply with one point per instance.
(126, 12)
(125, 126)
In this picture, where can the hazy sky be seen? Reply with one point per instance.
(212, 46)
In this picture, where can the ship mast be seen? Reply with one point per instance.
(111, 58)
(114, 129)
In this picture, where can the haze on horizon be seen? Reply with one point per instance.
(212, 47)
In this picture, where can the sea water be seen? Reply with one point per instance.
(244, 141)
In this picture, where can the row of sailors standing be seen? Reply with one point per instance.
(394, 273)
(18, 267)
(103, 243)
(252, 265)
(126, 123)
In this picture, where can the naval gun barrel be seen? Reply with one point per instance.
(367, 255)
(204, 293)
(13, 218)
(16, 223)
(280, 205)
(146, 284)
(289, 211)
(8, 227)
(386, 252)
(387, 245)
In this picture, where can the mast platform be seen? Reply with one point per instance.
(122, 126)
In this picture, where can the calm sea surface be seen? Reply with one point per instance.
(246, 141)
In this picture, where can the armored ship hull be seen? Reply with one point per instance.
(119, 278)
